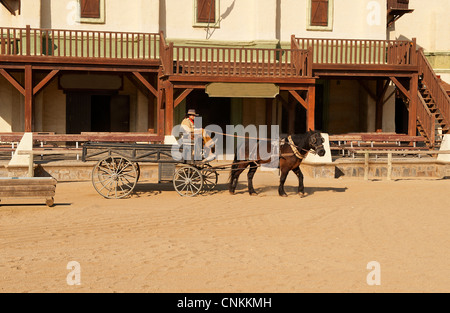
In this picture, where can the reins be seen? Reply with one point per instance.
(295, 148)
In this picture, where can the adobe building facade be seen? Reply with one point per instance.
(73, 102)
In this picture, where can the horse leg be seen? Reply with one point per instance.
(251, 173)
(235, 173)
(284, 174)
(301, 187)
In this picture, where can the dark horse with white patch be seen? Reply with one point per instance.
(293, 149)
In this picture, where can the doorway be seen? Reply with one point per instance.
(212, 110)
(86, 112)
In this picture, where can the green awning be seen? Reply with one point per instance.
(242, 90)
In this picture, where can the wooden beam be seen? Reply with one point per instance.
(8, 7)
(400, 86)
(299, 99)
(412, 119)
(310, 123)
(169, 108)
(381, 92)
(45, 81)
(146, 83)
(13, 81)
(269, 114)
(28, 98)
(182, 96)
(160, 105)
(151, 114)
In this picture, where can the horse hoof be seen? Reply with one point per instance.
(232, 193)
(253, 194)
(302, 195)
(283, 195)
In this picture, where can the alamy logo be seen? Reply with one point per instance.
(374, 15)
(236, 141)
(374, 276)
(74, 277)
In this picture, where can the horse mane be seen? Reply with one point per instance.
(301, 140)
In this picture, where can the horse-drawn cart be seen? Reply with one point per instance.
(117, 170)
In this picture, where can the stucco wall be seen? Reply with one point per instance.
(6, 97)
(429, 23)
(273, 20)
(362, 19)
(54, 109)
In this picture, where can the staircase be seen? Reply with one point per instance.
(434, 105)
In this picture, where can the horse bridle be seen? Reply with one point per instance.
(314, 141)
(295, 148)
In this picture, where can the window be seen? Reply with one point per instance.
(320, 15)
(319, 12)
(206, 13)
(90, 8)
(92, 11)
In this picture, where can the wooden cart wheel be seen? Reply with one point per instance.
(210, 178)
(188, 181)
(114, 177)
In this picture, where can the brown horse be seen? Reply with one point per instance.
(293, 149)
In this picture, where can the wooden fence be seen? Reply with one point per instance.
(251, 62)
(430, 80)
(36, 42)
(360, 52)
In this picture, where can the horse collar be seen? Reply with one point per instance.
(294, 149)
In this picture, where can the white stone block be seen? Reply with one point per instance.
(26, 144)
(445, 146)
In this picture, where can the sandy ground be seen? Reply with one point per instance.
(157, 241)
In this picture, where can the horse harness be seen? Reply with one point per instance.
(294, 149)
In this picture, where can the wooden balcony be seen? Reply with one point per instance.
(353, 57)
(82, 47)
(396, 9)
(307, 57)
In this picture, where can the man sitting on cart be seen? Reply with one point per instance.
(188, 127)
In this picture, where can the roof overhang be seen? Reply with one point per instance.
(11, 5)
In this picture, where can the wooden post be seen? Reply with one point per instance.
(366, 165)
(169, 108)
(379, 106)
(28, 40)
(151, 114)
(389, 169)
(414, 52)
(311, 107)
(160, 109)
(31, 165)
(269, 113)
(381, 92)
(28, 98)
(412, 120)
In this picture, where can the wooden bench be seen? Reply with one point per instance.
(28, 188)
(364, 141)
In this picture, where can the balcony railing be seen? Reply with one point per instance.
(244, 62)
(431, 81)
(360, 52)
(72, 44)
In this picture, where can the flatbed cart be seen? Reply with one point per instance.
(117, 171)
